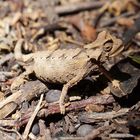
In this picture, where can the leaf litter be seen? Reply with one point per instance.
(106, 100)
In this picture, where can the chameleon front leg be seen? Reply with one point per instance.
(115, 83)
(21, 79)
(108, 76)
(65, 88)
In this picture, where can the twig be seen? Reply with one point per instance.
(96, 117)
(9, 123)
(11, 130)
(29, 124)
(77, 105)
(113, 20)
(6, 136)
(27, 92)
(71, 8)
(96, 132)
(6, 73)
(71, 138)
(136, 106)
(44, 131)
(120, 135)
(6, 58)
(131, 32)
(45, 29)
(54, 108)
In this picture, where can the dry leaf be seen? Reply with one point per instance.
(94, 108)
(128, 74)
(88, 32)
(125, 21)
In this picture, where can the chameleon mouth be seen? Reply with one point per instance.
(115, 51)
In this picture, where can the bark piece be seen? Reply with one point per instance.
(96, 117)
(27, 92)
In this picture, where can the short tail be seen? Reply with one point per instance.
(18, 52)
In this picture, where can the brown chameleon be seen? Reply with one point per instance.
(68, 66)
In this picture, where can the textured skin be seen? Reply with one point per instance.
(67, 66)
(62, 66)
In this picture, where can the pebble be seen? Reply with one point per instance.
(85, 129)
(35, 129)
(59, 133)
(52, 96)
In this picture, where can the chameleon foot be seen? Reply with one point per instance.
(117, 88)
(116, 84)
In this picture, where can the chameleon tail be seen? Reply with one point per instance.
(18, 52)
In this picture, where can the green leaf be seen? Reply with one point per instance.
(135, 58)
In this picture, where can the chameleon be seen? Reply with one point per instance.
(68, 66)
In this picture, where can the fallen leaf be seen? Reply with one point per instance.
(125, 21)
(88, 32)
(128, 74)
(94, 108)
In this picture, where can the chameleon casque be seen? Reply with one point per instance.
(68, 66)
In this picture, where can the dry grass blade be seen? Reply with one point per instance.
(29, 124)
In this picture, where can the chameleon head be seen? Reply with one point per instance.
(108, 45)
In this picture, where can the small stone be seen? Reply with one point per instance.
(59, 133)
(52, 96)
(35, 129)
(85, 129)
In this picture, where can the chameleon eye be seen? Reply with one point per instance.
(108, 45)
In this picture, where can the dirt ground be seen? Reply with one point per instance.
(86, 49)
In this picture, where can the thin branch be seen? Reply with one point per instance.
(97, 117)
(120, 135)
(114, 19)
(77, 105)
(71, 8)
(96, 132)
